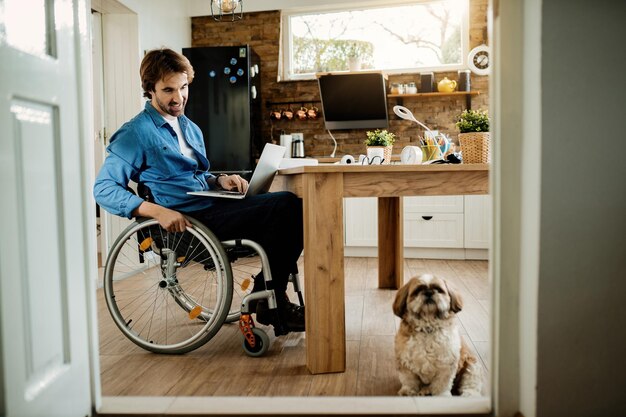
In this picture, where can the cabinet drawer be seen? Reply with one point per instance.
(433, 230)
(434, 204)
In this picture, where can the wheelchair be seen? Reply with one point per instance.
(172, 292)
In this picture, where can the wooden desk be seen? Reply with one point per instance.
(322, 189)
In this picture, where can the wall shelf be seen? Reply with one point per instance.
(467, 94)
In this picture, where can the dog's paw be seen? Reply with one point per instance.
(407, 392)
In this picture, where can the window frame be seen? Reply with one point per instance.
(285, 47)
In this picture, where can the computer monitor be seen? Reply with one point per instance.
(353, 101)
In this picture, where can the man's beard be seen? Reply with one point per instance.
(179, 111)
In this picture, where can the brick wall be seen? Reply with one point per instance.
(261, 30)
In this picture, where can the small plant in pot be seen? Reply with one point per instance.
(379, 145)
(474, 137)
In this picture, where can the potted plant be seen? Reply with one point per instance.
(379, 144)
(474, 136)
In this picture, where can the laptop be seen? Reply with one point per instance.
(262, 176)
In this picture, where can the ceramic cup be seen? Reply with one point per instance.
(287, 114)
(275, 114)
(301, 113)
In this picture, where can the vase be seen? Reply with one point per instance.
(475, 147)
(379, 153)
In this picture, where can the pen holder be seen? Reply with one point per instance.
(431, 153)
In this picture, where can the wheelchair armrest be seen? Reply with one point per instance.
(143, 191)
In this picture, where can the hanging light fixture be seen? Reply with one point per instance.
(221, 8)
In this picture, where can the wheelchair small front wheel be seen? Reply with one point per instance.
(261, 345)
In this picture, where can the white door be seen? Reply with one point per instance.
(44, 241)
(116, 55)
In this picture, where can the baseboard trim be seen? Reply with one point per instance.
(286, 406)
(422, 253)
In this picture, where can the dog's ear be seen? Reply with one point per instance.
(456, 302)
(399, 304)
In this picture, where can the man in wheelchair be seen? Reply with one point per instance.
(164, 151)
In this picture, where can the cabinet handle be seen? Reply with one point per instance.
(427, 217)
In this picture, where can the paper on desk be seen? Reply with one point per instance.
(296, 162)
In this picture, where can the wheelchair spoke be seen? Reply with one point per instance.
(168, 292)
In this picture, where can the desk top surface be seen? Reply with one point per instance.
(386, 169)
(385, 180)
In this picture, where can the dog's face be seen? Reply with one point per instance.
(426, 296)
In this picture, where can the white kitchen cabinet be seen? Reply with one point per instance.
(438, 226)
(433, 222)
(429, 222)
(477, 212)
(360, 221)
(433, 230)
(434, 204)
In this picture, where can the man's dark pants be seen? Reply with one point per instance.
(273, 220)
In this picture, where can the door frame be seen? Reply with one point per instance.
(512, 384)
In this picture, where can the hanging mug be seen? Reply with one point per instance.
(301, 113)
(275, 114)
(312, 113)
(287, 114)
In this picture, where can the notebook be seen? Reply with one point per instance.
(262, 176)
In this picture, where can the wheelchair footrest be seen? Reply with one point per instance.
(246, 326)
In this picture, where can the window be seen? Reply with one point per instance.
(404, 37)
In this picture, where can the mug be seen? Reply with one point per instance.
(287, 114)
(275, 114)
(312, 113)
(301, 113)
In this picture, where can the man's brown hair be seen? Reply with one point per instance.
(158, 64)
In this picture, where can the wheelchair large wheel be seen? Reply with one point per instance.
(168, 292)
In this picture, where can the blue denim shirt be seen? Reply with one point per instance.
(145, 149)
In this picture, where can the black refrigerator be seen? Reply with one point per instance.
(224, 102)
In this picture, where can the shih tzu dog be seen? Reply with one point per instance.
(431, 356)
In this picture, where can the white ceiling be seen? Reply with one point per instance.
(110, 6)
(202, 7)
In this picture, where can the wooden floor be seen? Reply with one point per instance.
(221, 368)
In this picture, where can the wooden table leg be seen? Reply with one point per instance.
(390, 242)
(324, 273)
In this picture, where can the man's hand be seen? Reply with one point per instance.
(170, 220)
(233, 182)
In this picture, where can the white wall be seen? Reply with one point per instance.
(162, 23)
